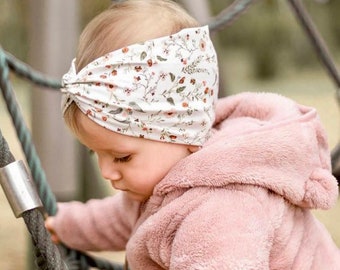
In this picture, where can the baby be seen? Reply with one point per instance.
(204, 183)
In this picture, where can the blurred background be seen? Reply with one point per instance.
(264, 50)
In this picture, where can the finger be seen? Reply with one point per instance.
(49, 223)
(55, 239)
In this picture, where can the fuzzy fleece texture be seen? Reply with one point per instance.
(242, 202)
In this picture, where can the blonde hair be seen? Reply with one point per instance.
(123, 24)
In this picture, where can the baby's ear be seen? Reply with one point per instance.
(193, 148)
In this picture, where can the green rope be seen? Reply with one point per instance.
(25, 71)
(25, 138)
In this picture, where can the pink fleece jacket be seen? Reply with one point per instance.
(242, 202)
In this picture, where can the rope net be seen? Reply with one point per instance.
(48, 255)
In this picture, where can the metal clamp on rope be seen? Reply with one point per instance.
(19, 188)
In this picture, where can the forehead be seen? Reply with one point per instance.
(99, 138)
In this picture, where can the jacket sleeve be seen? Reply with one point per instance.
(99, 224)
(224, 232)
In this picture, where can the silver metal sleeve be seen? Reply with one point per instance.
(19, 188)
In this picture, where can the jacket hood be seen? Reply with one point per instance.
(265, 140)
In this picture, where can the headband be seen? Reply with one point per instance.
(163, 89)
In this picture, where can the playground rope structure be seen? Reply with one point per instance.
(48, 255)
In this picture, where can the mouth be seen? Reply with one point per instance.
(114, 185)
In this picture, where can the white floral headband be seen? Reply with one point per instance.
(163, 89)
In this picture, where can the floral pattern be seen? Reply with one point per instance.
(163, 89)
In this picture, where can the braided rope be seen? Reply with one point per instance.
(48, 254)
(25, 138)
(39, 177)
(25, 71)
(6, 156)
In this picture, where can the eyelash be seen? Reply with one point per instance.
(122, 159)
(117, 160)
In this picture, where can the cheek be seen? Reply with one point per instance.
(147, 171)
(149, 176)
(155, 172)
(144, 178)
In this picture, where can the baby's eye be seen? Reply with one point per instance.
(122, 159)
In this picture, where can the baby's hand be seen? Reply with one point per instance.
(49, 226)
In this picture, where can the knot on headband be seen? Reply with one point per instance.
(163, 89)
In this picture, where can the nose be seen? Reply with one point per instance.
(108, 169)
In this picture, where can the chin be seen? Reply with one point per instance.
(136, 197)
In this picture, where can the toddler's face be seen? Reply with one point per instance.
(131, 164)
